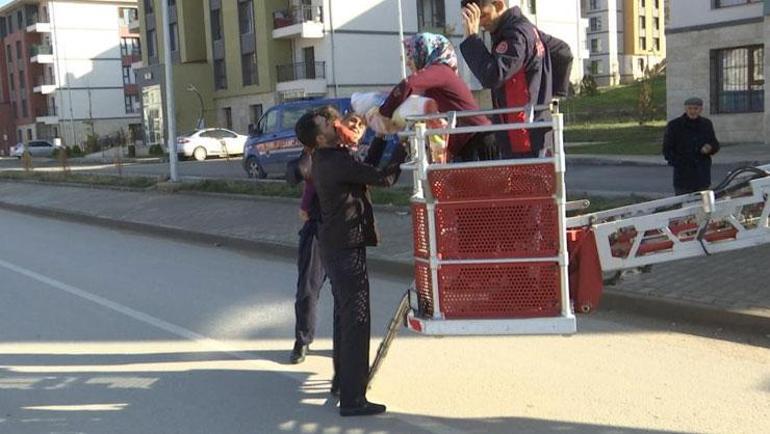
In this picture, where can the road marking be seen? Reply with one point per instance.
(424, 423)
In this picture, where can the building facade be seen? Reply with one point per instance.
(625, 37)
(70, 77)
(718, 52)
(244, 56)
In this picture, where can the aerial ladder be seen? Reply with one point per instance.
(496, 254)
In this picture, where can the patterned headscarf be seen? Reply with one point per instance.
(427, 49)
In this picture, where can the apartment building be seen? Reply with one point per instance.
(718, 51)
(624, 38)
(68, 68)
(7, 121)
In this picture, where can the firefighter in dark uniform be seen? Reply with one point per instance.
(518, 70)
(688, 144)
(347, 228)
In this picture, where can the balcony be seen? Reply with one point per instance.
(39, 28)
(133, 23)
(302, 21)
(44, 86)
(299, 80)
(47, 115)
(41, 54)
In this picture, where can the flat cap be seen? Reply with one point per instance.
(694, 101)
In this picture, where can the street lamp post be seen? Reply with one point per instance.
(169, 81)
(401, 38)
(201, 123)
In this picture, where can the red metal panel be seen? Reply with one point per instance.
(499, 182)
(522, 290)
(498, 229)
(420, 230)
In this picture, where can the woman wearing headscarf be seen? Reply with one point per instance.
(433, 63)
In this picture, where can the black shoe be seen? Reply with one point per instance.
(298, 353)
(366, 409)
(335, 390)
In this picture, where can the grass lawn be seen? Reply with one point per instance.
(618, 103)
(628, 138)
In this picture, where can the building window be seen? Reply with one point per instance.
(595, 67)
(20, 20)
(16, 113)
(430, 14)
(249, 68)
(152, 44)
(595, 24)
(10, 25)
(148, 6)
(642, 23)
(642, 4)
(24, 108)
(593, 5)
(245, 16)
(641, 65)
(532, 4)
(255, 113)
(656, 44)
(9, 53)
(643, 43)
(656, 23)
(220, 74)
(173, 30)
(728, 3)
(11, 81)
(738, 80)
(656, 4)
(132, 103)
(29, 134)
(18, 49)
(595, 47)
(130, 47)
(22, 81)
(228, 112)
(126, 15)
(216, 24)
(128, 75)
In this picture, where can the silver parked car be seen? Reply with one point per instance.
(37, 148)
(201, 144)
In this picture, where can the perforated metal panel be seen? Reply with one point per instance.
(498, 229)
(500, 182)
(422, 282)
(500, 291)
(420, 229)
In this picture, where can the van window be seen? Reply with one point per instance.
(269, 122)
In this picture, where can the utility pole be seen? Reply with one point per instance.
(401, 38)
(169, 81)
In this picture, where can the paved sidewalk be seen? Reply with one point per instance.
(747, 154)
(728, 289)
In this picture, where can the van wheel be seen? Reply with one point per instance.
(199, 153)
(254, 169)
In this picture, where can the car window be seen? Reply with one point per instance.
(292, 114)
(269, 122)
(39, 144)
(212, 134)
(228, 134)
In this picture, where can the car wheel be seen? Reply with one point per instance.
(200, 153)
(254, 169)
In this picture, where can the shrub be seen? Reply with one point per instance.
(75, 151)
(156, 150)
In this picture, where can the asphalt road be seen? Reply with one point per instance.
(111, 332)
(595, 179)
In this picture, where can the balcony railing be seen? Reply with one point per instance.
(37, 50)
(45, 112)
(297, 15)
(44, 81)
(301, 71)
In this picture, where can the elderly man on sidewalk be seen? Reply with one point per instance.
(688, 144)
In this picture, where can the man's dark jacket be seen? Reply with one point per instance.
(518, 71)
(682, 145)
(347, 216)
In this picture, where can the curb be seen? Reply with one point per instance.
(673, 310)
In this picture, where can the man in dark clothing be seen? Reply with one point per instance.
(347, 228)
(311, 274)
(688, 144)
(518, 70)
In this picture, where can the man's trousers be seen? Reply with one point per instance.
(311, 277)
(347, 271)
